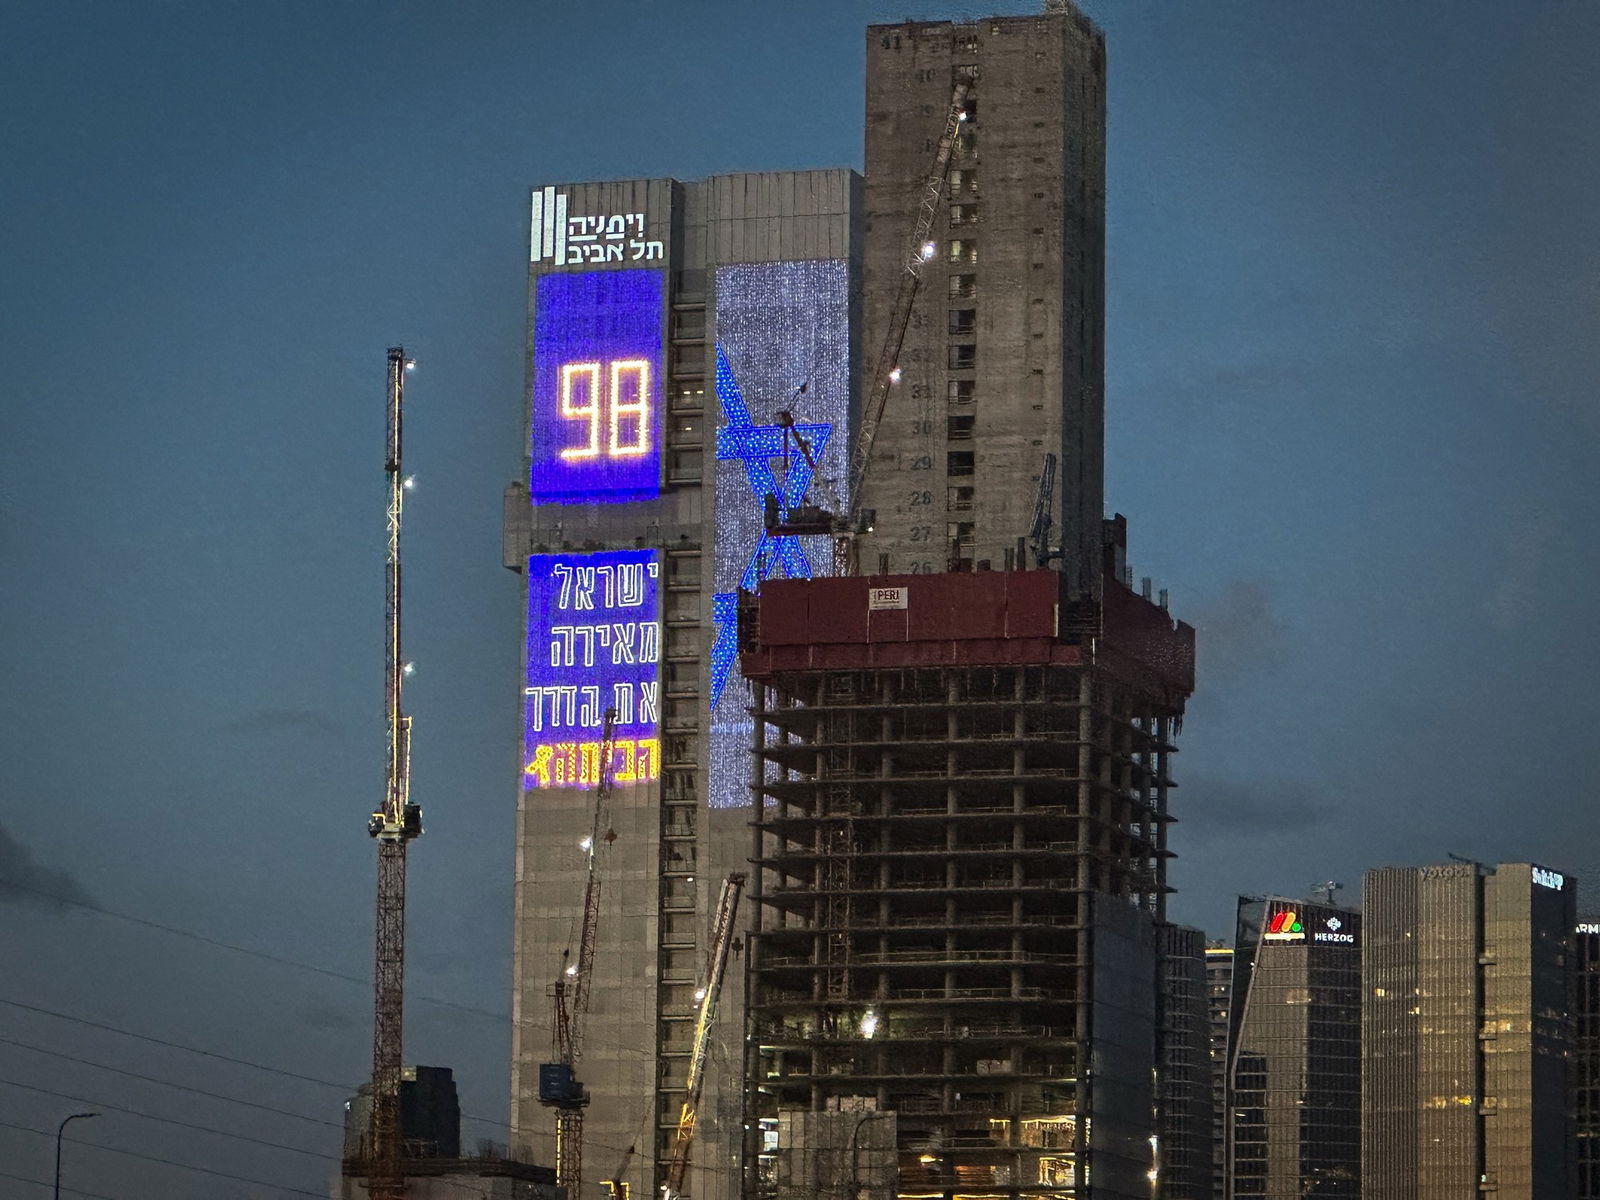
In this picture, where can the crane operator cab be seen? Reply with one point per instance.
(410, 823)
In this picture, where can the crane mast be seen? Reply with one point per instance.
(710, 992)
(1039, 527)
(807, 520)
(393, 826)
(886, 372)
(559, 1087)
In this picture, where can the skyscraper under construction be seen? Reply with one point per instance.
(963, 752)
(961, 769)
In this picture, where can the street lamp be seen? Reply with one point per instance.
(60, 1129)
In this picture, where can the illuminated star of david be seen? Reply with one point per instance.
(756, 446)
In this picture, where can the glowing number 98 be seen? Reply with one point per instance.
(623, 408)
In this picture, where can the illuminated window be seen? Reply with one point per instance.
(688, 397)
(1049, 1133)
(962, 286)
(963, 250)
(1058, 1170)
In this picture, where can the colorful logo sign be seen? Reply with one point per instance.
(1545, 877)
(1284, 926)
(596, 407)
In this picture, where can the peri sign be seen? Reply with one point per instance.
(596, 405)
(594, 642)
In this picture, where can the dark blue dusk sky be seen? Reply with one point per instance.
(1352, 417)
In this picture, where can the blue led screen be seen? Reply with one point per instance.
(782, 342)
(594, 642)
(597, 375)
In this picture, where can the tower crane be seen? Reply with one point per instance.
(845, 526)
(1039, 527)
(394, 825)
(709, 992)
(559, 1087)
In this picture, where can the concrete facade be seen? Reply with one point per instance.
(1004, 359)
(785, 247)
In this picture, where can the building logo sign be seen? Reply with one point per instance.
(1550, 879)
(885, 597)
(1332, 930)
(1588, 927)
(1284, 926)
(596, 402)
(566, 241)
(594, 642)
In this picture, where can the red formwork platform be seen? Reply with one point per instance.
(984, 618)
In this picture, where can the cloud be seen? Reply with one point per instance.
(1240, 632)
(1522, 558)
(286, 720)
(1209, 808)
(327, 1016)
(24, 881)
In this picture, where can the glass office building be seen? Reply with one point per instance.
(1466, 1031)
(1294, 1061)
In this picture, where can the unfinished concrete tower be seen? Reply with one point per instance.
(961, 763)
(1004, 357)
(962, 865)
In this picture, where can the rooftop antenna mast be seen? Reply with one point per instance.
(393, 825)
(1326, 891)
